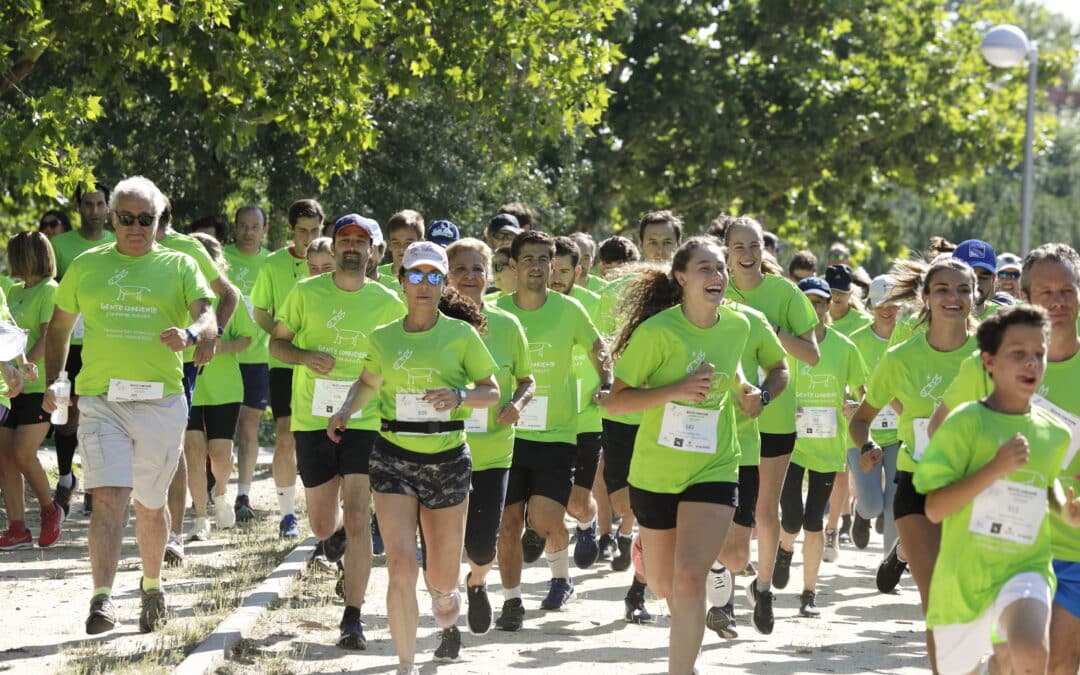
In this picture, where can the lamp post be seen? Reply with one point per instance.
(1006, 46)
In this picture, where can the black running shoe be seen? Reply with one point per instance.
(721, 622)
(88, 503)
(242, 509)
(532, 545)
(334, 546)
(860, 531)
(879, 524)
(762, 602)
(845, 529)
(62, 496)
(635, 608)
(352, 630)
(512, 615)
(782, 568)
(480, 613)
(102, 615)
(449, 649)
(607, 546)
(807, 607)
(622, 561)
(153, 613)
(890, 570)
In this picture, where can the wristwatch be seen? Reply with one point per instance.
(765, 397)
(193, 335)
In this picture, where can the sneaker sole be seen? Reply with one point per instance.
(353, 643)
(720, 623)
(18, 547)
(446, 659)
(97, 625)
(173, 560)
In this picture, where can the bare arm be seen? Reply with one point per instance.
(945, 501)
(360, 394)
(234, 346)
(509, 413)
(56, 342)
(283, 349)
(777, 378)
(264, 319)
(940, 413)
(626, 399)
(803, 347)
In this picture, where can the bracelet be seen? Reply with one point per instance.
(869, 447)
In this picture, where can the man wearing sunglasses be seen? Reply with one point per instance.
(1008, 274)
(142, 305)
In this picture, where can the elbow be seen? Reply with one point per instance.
(814, 356)
(934, 511)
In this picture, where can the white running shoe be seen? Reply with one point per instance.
(832, 549)
(200, 530)
(719, 586)
(174, 550)
(224, 515)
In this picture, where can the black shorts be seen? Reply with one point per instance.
(319, 459)
(588, 458)
(907, 502)
(749, 480)
(618, 449)
(217, 421)
(26, 409)
(660, 510)
(777, 445)
(256, 377)
(544, 469)
(73, 366)
(281, 392)
(188, 380)
(436, 481)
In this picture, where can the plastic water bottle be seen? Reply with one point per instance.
(62, 390)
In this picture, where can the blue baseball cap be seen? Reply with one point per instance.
(839, 278)
(977, 253)
(816, 286)
(361, 224)
(442, 232)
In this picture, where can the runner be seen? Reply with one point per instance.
(501, 231)
(826, 394)
(319, 255)
(490, 432)
(916, 374)
(679, 366)
(417, 370)
(1009, 266)
(54, 222)
(282, 269)
(442, 232)
(587, 250)
(30, 258)
(324, 327)
(504, 279)
(542, 474)
(136, 299)
(659, 234)
(980, 256)
(521, 212)
(989, 475)
(803, 264)
(403, 228)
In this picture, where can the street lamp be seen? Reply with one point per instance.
(1007, 46)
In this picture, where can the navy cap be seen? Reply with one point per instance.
(839, 278)
(360, 223)
(816, 286)
(977, 253)
(442, 232)
(504, 221)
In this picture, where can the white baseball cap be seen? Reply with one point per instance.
(879, 289)
(425, 253)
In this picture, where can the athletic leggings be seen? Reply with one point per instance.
(65, 451)
(874, 491)
(485, 514)
(794, 516)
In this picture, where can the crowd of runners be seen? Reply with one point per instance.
(673, 396)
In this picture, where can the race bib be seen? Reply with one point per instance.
(1009, 510)
(1069, 420)
(689, 429)
(885, 419)
(132, 390)
(78, 331)
(922, 439)
(534, 415)
(477, 422)
(816, 422)
(329, 396)
(413, 408)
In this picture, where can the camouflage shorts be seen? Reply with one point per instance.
(436, 485)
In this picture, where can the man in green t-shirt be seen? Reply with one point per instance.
(587, 249)
(403, 228)
(659, 233)
(278, 275)
(142, 305)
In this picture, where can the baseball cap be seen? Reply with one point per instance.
(816, 286)
(977, 253)
(504, 222)
(839, 278)
(879, 289)
(359, 223)
(1009, 261)
(442, 232)
(425, 253)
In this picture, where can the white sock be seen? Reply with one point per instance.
(559, 562)
(243, 489)
(512, 593)
(584, 524)
(65, 480)
(286, 496)
(718, 586)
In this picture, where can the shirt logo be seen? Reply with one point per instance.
(928, 389)
(817, 380)
(126, 292)
(413, 376)
(342, 335)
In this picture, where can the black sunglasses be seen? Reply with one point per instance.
(145, 219)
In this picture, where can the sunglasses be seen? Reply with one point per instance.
(416, 277)
(145, 219)
(499, 267)
(1008, 275)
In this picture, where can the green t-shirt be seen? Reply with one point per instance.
(820, 394)
(872, 347)
(31, 307)
(552, 331)
(277, 276)
(610, 324)
(6, 283)
(971, 383)
(595, 283)
(851, 322)
(194, 248)
(906, 328)
(449, 354)
(219, 381)
(588, 380)
(243, 270)
(68, 245)
(681, 444)
(5, 315)
(980, 548)
(126, 303)
(505, 340)
(336, 322)
(917, 375)
(787, 307)
(763, 348)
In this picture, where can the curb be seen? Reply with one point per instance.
(214, 649)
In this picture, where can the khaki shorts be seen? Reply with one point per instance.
(133, 444)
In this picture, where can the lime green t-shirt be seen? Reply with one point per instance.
(194, 248)
(68, 245)
(243, 271)
(819, 394)
(851, 322)
(552, 331)
(971, 383)
(6, 283)
(277, 276)
(588, 380)
(595, 283)
(787, 307)
(31, 307)
(763, 349)
(681, 444)
(5, 315)
(449, 354)
(505, 340)
(610, 324)
(917, 375)
(339, 323)
(906, 328)
(872, 347)
(980, 548)
(219, 382)
(126, 303)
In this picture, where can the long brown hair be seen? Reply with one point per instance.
(913, 279)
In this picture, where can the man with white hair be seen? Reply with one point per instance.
(142, 305)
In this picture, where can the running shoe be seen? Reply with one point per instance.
(532, 545)
(449, 649)
(860, 531)
(62, 495)
(879, 524)
(339, 586)
(288, 528)
(762, 602)
(807, 607)
(88, 504)
(224, 513)
(407, 669)
(782, 568)
(242, 509)
(720, 621)
(559, 593)
(52, 516)
(750, 570)
(480, 613)
(200, 530)
(634, 602)
(622, 561)
(719, 586)
(153, 613)
(13, 541)
(174, 550)
(586, 548)
(334, 546)
(102, 615)
(845, 529)
(890, 570)
(832, 550)
(607, 546)
(512, 615)
(352, 630)
(377, 546)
